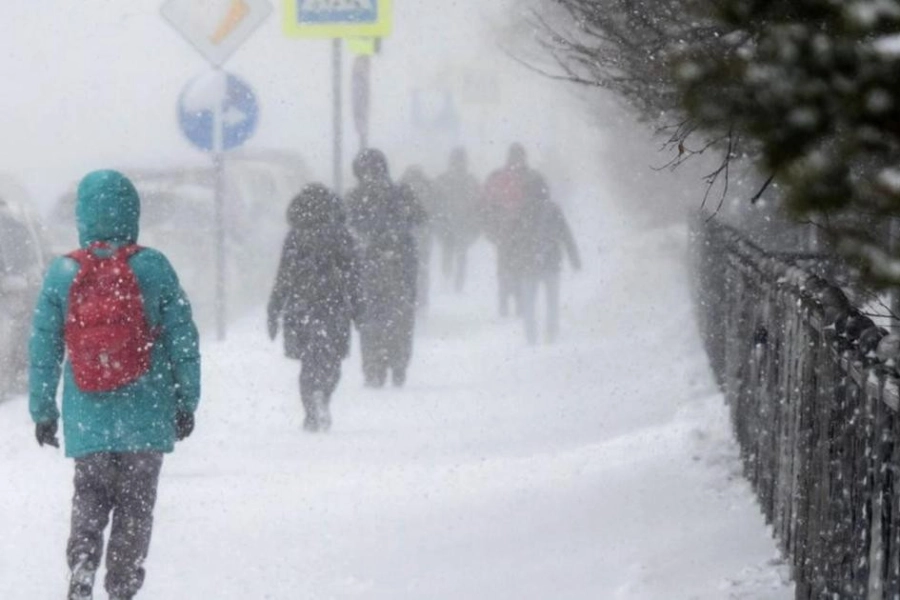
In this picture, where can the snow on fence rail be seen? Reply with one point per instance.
(814, 402)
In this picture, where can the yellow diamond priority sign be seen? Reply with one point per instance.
(338, 18)
(216, 28)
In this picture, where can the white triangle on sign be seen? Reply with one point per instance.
(216, 28)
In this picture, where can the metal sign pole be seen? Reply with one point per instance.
(219, 169)
(361, 92)
(220, 302)
(231, 24)
(338, 101)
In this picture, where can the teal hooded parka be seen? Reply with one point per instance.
(138, 417)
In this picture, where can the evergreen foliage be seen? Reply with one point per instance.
(809, 88)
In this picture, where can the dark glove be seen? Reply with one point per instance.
(184, 424)
(273, 326)
(46, 433)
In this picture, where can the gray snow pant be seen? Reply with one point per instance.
(123, 484)
(320, 371)
(508, 280)
(388, 344)
(528, 296)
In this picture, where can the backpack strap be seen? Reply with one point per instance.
(79, 256)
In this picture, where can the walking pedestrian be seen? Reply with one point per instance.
(459, 193)
(541, 235)
(505, 193)
(424, 192)
(383, 217)
(316, 297)
(114, 323)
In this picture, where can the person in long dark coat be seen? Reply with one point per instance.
(459, 196)
(383, 217)
(506, 192)
(415, 179)
(317, 296)
(540, 236)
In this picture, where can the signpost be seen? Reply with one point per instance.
(341, 19)
(217, 112)
(362, 69)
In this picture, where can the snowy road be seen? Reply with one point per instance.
(601, 467)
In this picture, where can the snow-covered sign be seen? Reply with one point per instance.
(216, 28)
(218, 112)
(338, 18)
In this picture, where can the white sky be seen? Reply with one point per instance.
(95, 84)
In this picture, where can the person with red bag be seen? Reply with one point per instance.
(506, 192)
(112, 322)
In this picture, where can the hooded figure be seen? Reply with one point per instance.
(116, 437)
(383, 217)
(415, 180)
(506, 192)
(538, 241)
(459, 193)
(316, 297)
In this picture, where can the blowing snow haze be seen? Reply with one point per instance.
(473, 372)
(99, 83)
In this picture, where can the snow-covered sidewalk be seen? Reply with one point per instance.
(600, 467)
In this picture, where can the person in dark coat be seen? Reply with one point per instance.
(459, 195)
(316, 297)
(540, 236)
(424, 191)
(506, 191)
(383, 217)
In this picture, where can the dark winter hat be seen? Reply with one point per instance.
(314, 204)
(370, 165)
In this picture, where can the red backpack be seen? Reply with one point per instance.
(107, 336)
(505, 190)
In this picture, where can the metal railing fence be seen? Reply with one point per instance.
(814, 399)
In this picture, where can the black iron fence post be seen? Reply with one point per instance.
(814, 409)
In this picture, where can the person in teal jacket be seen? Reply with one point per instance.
(117, 437)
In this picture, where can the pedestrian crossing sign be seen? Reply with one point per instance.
(338, 18)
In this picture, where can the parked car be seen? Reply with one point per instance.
(22, 262)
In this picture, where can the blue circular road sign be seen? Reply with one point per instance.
(221, 98)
